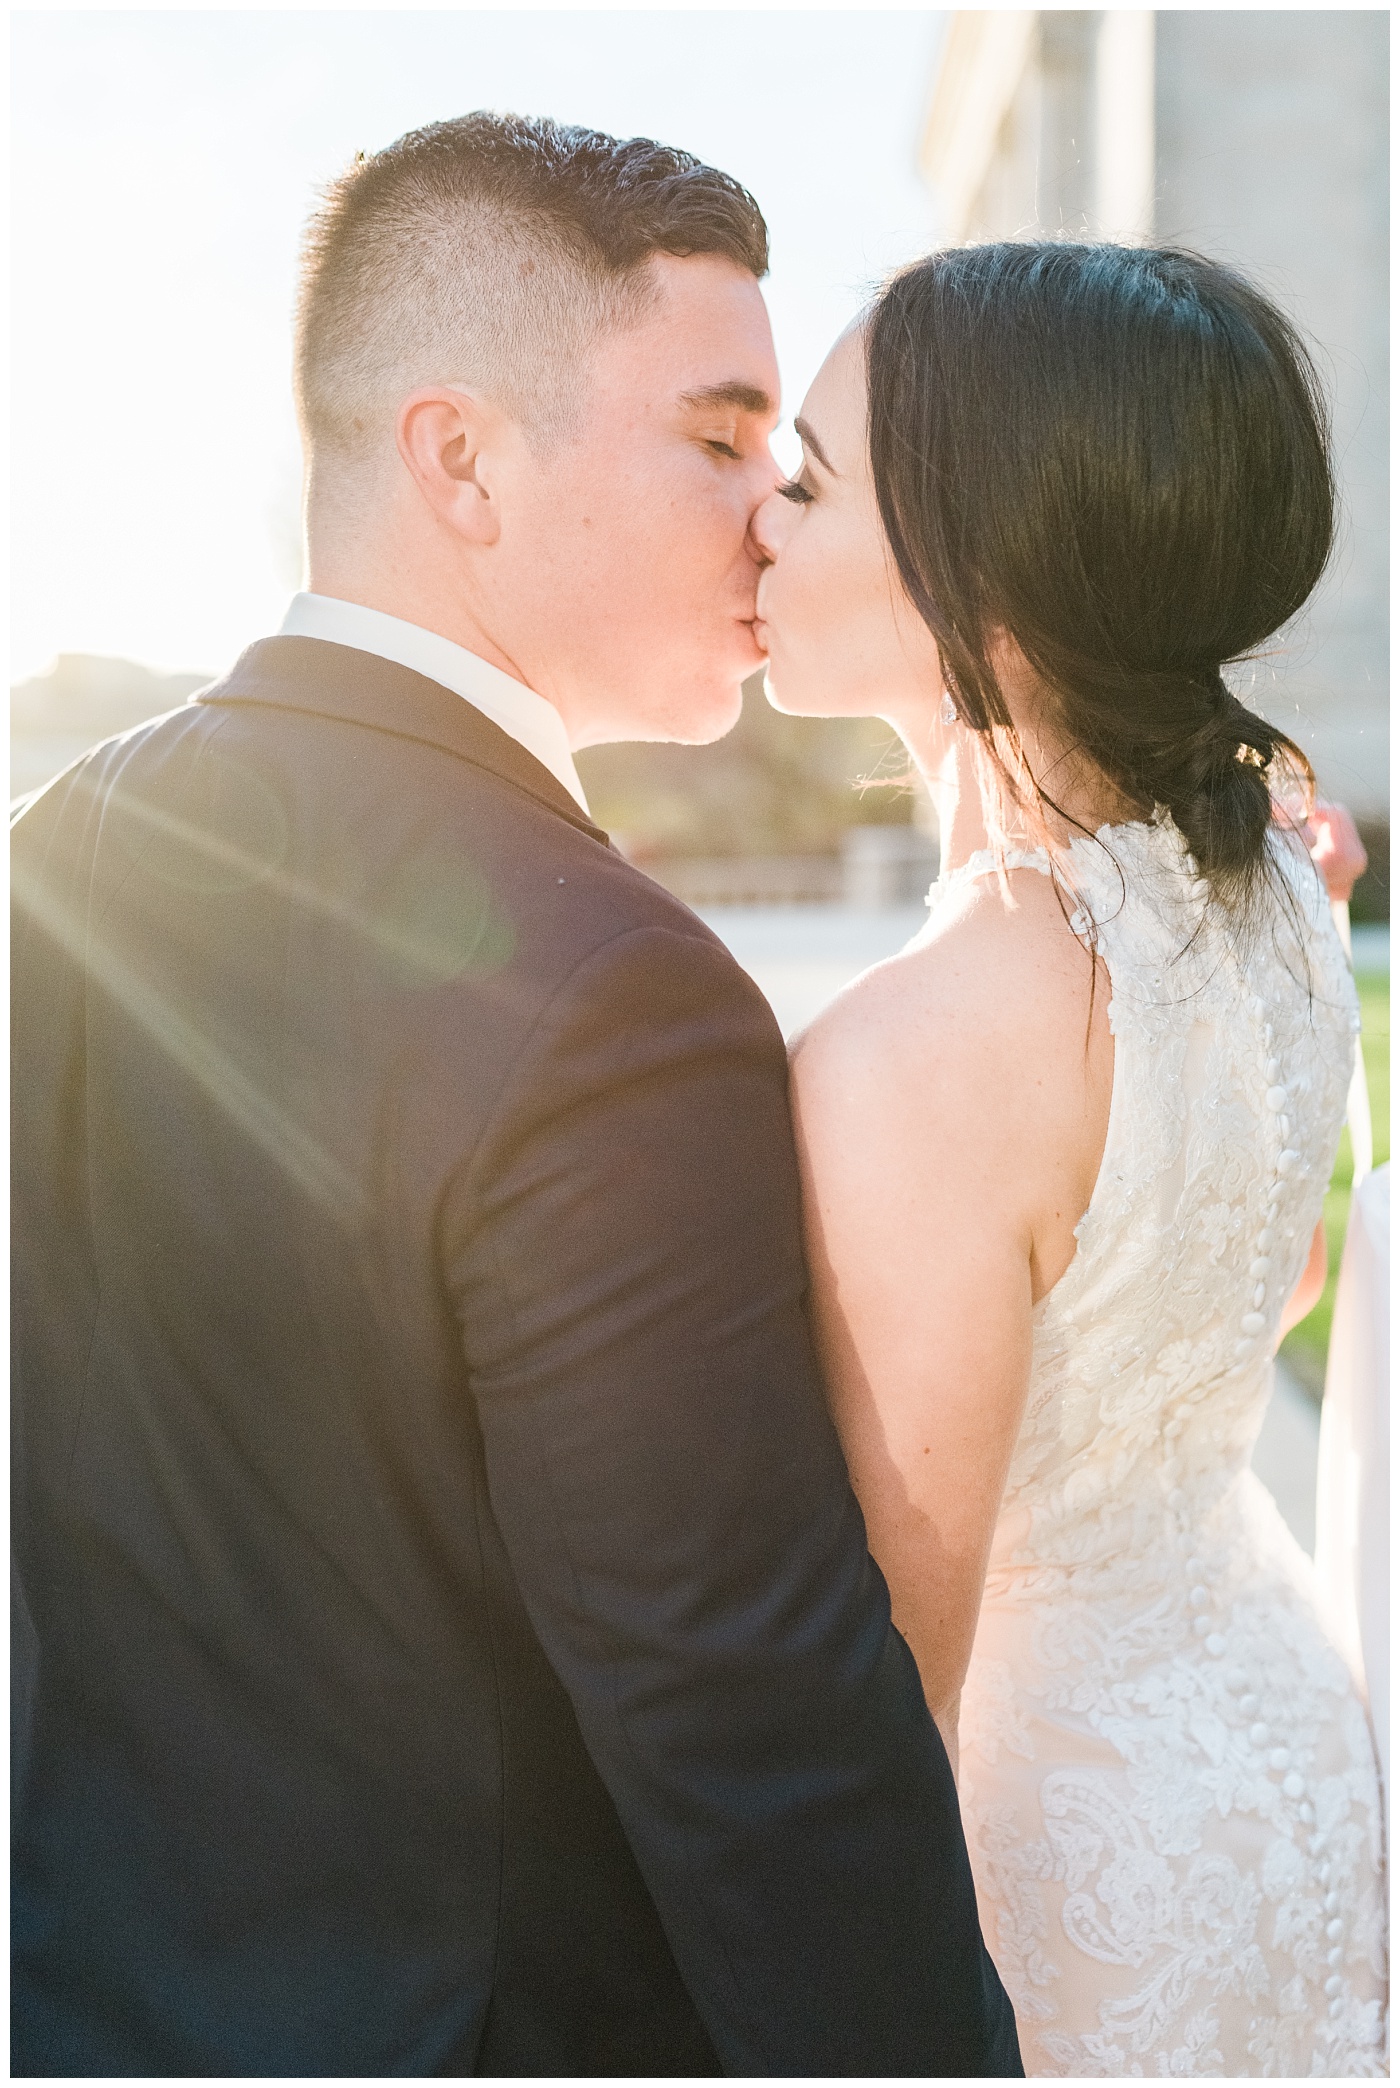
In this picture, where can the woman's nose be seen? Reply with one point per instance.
(772, 521)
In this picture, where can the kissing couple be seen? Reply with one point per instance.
(521, 1498)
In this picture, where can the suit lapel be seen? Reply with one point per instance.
(360, 688)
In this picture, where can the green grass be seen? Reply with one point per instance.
(1305, 1349)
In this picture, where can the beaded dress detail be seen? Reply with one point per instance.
(1167, 1775)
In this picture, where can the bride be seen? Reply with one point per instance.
(1065, 1155)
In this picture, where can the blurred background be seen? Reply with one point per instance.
(164, 163)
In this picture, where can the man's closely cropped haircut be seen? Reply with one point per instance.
(491, 251)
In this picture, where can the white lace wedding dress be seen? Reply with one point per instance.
(1167, 1776)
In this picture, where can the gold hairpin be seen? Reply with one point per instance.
(1250, 756)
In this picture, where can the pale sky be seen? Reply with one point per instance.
(164, 163)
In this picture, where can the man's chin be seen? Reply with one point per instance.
(705, 718)
(679, 723)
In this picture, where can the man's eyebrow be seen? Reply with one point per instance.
(749, 398)
(808, 434)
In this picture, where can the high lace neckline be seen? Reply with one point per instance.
(984, 862)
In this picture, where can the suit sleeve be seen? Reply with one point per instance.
(625, 1260)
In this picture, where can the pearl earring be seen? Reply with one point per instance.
(949, 712)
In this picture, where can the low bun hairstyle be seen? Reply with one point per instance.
(1117, 457)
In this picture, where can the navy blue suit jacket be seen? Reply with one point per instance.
(448, 1638)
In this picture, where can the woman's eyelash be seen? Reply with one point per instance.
(724, 449)
(793, 489)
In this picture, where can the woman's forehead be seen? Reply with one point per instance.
(834, 410)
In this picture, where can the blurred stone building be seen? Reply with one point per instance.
(1256, 136)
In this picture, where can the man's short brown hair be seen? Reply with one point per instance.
(491, 251)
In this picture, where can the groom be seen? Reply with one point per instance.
(448, 1642)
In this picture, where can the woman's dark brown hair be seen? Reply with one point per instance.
(1118, 458)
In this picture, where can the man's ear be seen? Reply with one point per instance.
(443, 437)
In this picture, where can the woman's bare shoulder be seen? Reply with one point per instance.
(983, 983)
(977, 1055)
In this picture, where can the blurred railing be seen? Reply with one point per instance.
(749, 880)
(878, 866)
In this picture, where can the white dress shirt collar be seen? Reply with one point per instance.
(530, 721)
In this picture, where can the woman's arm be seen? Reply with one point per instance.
(933, 1106)
(1310, 1283)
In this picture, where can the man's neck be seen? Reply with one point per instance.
(413, 605)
